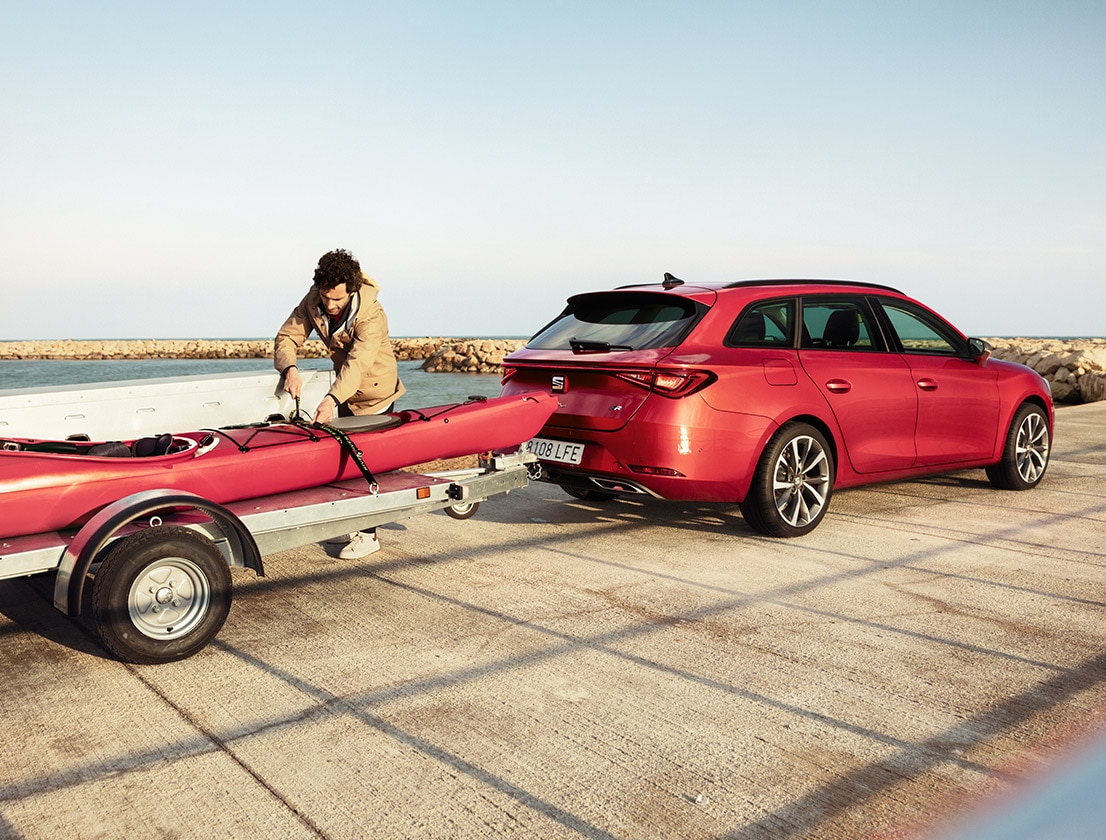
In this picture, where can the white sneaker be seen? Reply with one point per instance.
(341, 539)
(362, 545)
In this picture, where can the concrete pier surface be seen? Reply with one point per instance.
(553, 668)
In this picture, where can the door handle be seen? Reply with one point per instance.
(839, 386)
(927, 384)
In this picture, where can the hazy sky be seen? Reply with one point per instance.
(176, 169)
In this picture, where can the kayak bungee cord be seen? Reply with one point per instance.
(418, 414)
(303, 425)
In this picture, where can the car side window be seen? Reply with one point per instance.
(837, 324)
(767, 324)
(918, 332)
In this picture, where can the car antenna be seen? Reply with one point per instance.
(671, 281)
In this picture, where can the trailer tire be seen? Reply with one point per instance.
(160, 595)
(463, 510)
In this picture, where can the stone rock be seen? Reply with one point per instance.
(471, 356)
(1092, 386)
(1074, 368)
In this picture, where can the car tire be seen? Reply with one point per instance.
(792, 485)
(1025, 453)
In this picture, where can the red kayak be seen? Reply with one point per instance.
(55, 485)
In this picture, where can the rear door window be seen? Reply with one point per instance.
(627, 321)
(838, 324)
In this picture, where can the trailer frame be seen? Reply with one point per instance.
(170, 604)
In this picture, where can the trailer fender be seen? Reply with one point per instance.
(91, 539)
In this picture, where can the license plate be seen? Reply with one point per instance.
(560, 451)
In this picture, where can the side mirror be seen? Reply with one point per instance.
(980, 350)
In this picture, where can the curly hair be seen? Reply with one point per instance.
(335, 268)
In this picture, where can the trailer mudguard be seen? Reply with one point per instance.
(105, 524)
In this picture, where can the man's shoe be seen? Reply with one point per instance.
(341, 539)
(362, 545)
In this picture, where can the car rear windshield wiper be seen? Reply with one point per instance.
(579, 346)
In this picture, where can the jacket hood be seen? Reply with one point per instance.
(369, 290)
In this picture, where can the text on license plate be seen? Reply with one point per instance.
(560, 451)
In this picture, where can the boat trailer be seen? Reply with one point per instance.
(153, 569)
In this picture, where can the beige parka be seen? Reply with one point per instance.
(367, 375)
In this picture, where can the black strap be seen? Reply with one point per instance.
(346, 443)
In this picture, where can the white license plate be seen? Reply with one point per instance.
(560, 451)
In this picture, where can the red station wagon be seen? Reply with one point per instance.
(770, 394)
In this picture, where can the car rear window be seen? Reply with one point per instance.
(626, 321)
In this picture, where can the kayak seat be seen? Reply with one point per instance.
(146, 447)
(112, 449)
(366, 422)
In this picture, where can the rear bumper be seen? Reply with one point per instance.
(709, 461)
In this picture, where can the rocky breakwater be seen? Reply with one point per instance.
(405, 349)
(185, 348)
(471, 355)
(1074, 368)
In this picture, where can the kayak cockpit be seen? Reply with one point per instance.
(150, 446)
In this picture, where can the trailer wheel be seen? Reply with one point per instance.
(463, 510)
(160, 595)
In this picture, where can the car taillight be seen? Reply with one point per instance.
(669, 383)
(508, 375)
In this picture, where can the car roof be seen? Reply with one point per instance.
(672, 283)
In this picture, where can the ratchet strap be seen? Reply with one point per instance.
(347, 444)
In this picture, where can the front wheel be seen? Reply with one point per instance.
(792, 485)
(160, 595)
(1025, 454)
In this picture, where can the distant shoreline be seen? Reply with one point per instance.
(201, 348)
(439, 355)
(406, 347)
(1075, 368)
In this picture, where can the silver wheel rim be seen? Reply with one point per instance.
(169, 598)
(800, 481)
(462, 508)
(1031, 448)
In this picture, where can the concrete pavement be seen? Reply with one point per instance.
(556, 668)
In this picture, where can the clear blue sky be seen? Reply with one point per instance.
(175, 170)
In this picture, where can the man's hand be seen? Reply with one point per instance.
(325, 412)
(293, 382)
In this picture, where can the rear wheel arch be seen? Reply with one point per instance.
(827, 431)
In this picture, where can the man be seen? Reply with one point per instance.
(342, 308)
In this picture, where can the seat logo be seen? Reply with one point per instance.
(559, 384)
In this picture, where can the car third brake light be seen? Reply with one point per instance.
(669, 383)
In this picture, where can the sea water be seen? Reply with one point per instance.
(423, 388)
